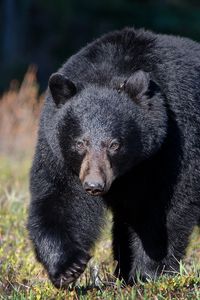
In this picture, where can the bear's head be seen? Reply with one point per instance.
(103, 132)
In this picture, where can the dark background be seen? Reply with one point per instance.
(47, 32)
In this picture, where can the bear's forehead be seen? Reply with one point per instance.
(101, 101)
(99, 111)
(96, 120)
(99, 115)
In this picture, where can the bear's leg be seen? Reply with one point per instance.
(121, 249)
(137, 255)
(153, 247)
(149, 249)
(63, 226)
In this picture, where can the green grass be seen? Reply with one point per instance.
(21, 277)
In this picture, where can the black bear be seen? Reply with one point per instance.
(120, 128)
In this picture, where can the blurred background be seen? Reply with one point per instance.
(46, 32)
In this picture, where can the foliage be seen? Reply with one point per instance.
(19, 111)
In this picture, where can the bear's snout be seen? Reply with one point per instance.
(94, 188)
(96, 174)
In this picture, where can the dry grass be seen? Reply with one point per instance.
(19, 111)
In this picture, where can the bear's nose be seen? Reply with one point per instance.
(93, 188)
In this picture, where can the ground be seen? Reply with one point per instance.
(21, 277)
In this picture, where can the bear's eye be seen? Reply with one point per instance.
(80, 145)
(114, 146)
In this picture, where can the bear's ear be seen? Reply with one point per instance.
(61, 88)
(137, 84)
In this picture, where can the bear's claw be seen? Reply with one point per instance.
(71, 274)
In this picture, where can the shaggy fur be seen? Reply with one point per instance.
(142, 90)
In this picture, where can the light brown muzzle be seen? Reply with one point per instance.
(96, 174)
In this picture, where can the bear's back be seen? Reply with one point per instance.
(121, 53)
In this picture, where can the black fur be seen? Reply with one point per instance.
(142, 89)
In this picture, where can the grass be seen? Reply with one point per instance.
(21, 277)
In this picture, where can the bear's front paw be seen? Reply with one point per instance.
(71, 274)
